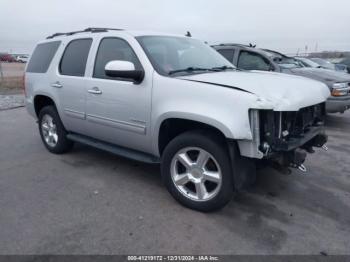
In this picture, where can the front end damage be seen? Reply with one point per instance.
(286, 137)
(281, 139)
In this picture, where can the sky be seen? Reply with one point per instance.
(282, 25)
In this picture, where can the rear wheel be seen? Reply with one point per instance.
(52, 131)
(196, 170)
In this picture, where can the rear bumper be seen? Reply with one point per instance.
(337, 105)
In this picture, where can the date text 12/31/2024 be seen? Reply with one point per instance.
(174, 258)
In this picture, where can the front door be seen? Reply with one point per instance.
(248, 60)
(118, 110)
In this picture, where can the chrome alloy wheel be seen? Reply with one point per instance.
(49, 131)
(196, 174)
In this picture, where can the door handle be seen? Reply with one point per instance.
(95, 91)
(57, 84)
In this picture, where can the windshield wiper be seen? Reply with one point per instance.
(189, 69)
(223, 68)
(213, 69)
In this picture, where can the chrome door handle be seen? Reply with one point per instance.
(57, 85)
(95, 91)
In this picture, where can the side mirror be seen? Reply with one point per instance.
(124, 69)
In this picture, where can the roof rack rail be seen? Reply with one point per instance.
(89, 29)
(96, 29)
(235, 44)
(228, 44)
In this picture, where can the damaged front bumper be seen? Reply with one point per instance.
(285, 137)
(315, 137)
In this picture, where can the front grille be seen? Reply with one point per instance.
(281, 127)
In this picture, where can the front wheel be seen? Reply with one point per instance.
(196, 170)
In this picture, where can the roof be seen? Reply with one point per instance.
(245, 47)
(263, 51)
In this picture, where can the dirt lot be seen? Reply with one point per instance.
(92, 202)
(12, 69)
(11, 82)
(11, 85)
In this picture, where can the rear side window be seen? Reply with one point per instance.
(227, 53)
(113, 49)
(42, 57)
(73, 62)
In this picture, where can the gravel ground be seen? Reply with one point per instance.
(11, 101)
(11, 94)
(12, 69)
(92, 202)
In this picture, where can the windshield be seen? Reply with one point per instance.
(308, 62)
(324, 63)
(285, 62)
(172, 55)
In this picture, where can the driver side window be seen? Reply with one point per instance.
(113, 49)
(253, 61)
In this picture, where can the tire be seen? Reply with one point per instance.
(52, 131)
(182, 161)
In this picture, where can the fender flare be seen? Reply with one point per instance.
(187, 116)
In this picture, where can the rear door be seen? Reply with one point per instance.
(70, 82)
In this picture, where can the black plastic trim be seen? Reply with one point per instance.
(89, 29)
(114, 149)
(294, 143)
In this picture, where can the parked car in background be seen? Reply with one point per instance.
(346, 61)
(172, 100)
(341, 68)
(22, 58)
(332, 66)
(306, 62)
(250, 58)
(7, 58)
(323, 63)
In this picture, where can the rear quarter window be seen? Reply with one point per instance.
(42, 57)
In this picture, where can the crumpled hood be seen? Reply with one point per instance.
(279, 91)
(324, 75)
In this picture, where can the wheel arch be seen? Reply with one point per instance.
(40, 101)
(171, 125)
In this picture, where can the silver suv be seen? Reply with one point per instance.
(172, 100)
